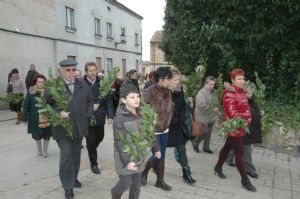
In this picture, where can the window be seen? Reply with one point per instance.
(136, 39)
(109, 31)
(97, 28)
(98, 63)
(137, 65)
(70, 20)
(123, 70)
(109, 63)
(123, 35)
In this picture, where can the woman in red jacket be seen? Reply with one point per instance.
(235, 105)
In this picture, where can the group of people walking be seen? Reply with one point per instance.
(166, 96)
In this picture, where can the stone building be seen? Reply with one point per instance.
(45, 32)
(157, 56)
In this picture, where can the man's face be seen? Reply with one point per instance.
(77, 74)
(91, 72)
(68, 72)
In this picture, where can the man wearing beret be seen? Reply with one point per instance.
(79, 110)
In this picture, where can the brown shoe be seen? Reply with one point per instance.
(18, 122)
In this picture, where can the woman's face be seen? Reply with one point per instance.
(210, 85)
(40, 83)
(238, 81)
(175, 81)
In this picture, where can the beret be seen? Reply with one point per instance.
(67, 62)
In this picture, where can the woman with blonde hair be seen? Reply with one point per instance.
(179, 133)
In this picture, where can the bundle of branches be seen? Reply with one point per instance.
(56, 89)
(231, 126)
(12, 97)
(107, 82)
(193, 82)
(138, 144)
(106, 87)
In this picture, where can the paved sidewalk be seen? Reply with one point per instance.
(27, 176)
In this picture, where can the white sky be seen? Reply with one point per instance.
(153, 13)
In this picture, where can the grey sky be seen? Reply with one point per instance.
(153, 12)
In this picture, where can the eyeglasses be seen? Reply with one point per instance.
(70, 70)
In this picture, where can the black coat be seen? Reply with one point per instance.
(178, 130)
(106, 105)
(255, 135)
(80, 108)
(132, 82)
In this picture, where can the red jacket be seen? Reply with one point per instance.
(235, 105)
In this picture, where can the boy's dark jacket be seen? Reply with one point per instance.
(124, 121)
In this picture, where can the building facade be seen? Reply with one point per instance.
(45, 32)
(157, 55)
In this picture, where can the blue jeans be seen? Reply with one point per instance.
(162, 139)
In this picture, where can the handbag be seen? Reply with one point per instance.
(197, 128)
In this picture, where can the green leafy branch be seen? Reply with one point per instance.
(107, 82)
(12, 97)
(136, 144)
(106, 87)
(56, 89)
(193, 82)
(231, 126)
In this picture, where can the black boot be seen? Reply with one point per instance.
(187, 176)
(148, 166)
(160, 183)
(218, 170)
(247, 185)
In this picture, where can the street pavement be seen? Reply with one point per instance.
(25, 175)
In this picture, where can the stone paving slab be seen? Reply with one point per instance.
(27, 176)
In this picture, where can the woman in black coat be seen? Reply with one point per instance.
(255, 135)
(178, 131)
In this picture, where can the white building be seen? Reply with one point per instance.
(46, 31)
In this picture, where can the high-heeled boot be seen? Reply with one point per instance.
(247, 185)
(160, 183)
(187, 176)
(218, 170)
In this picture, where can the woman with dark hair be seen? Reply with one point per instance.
(38, 125)
(132, 79)
(17, 85)
(235, 105)
(160, 99)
